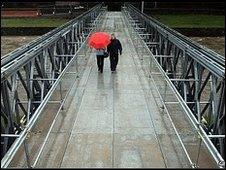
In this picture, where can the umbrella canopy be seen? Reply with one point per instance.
(99, 40)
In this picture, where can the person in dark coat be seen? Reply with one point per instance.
(114, 49)
(100, 59)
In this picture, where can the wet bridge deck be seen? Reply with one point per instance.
(113, 119)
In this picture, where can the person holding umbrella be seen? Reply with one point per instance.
(101, 54)
(99, 41)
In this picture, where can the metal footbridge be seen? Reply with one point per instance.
(163, 108)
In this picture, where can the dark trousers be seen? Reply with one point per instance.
(113, 61)
(100, 62)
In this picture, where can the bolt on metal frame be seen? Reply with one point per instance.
(31, 74)
(196, 73)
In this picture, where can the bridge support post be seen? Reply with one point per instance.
(142, 6)
(27, 154)
(61, 96)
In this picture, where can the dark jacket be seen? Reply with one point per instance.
(114, 47)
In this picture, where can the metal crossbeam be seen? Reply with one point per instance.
(138, 28)
(163, 56)
(144, 34)
(152, 43)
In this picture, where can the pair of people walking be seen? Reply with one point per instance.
(113, 50)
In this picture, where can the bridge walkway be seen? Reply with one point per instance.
(114, 119)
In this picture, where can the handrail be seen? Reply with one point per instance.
(15, 61)
(206, 57)
(21, 50)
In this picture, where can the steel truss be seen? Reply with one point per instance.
(31, 74)
(196, 72)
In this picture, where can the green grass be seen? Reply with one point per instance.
(175, 21)
(32, 22)
(192, 21)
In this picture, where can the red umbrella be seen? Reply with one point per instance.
(99, 40)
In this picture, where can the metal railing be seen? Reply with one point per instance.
(190, 81)
(37, 78)
(30, 46)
